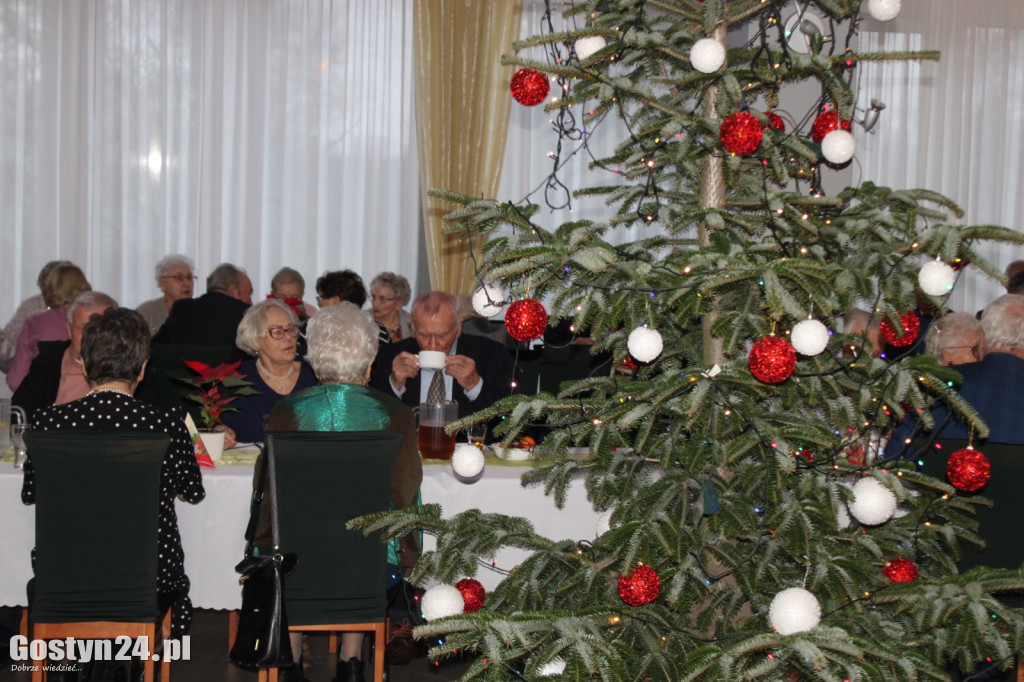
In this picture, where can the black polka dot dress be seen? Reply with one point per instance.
(179, 477)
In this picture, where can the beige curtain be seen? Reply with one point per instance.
(462, 116)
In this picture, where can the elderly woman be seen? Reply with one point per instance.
(342, 346)
(268, 332)
(344, 285)
(115, 346)
(61, 285)
(176, 281)
(289, 286)
(388, 294)
(955, 339)
(33, 305)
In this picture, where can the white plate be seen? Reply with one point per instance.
(512, 454)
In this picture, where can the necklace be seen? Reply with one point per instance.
(97, 391)
(281, 380)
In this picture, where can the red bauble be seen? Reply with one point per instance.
(775, 121)
(772, 359)
(640, 587)
(855, 455)
(529, 87)
(900, 571)
(968, 470)
(473, 594)
(826, 122)
(629, 364)
(526, 320)
(911, 326)
(740, 133)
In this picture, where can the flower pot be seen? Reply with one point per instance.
(213, 441)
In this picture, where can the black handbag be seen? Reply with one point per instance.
(262, 640)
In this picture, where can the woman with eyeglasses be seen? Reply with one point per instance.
(344, 285)
(269, 333)
(388, 294)
(955, 339)
(176, 281)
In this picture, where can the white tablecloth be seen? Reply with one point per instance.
(213, 531)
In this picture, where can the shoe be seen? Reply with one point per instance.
(349, 672)
(291, 673)
(401, 647)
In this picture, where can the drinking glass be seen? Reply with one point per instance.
(477, 434)
(18, 441)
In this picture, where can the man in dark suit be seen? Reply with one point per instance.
(477, 372)
(992, 385)
(212, 319)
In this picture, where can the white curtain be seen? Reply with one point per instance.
(955, 126)
(258, 132)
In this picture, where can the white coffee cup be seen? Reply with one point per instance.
(431, 359)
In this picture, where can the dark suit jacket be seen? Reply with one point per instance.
(39, 387)
(993, 387)
(210, 320)
(493, 364)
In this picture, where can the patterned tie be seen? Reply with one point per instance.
(435, 394)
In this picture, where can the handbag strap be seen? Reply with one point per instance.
(272, 485)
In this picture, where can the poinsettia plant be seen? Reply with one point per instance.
(218, 387)
(296, 304)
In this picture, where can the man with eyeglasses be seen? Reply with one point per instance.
(478, 371)
(212, 319)
(175, 279)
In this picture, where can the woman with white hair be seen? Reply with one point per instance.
(955, 338)
(176, 281)
(342, 344)
(269, 334)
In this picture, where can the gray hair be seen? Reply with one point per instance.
(1003, 322)
(223, 276)
(46, 270)
(397, 284)
(432, 302)
(952, 329)
(287, 275)
(165, 264)
(253, 326)
(342, 342)
(90, 300)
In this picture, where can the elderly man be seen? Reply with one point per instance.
(992, 385)
(212, 319)
(477, 371)
(955, 339)
(176, 281)
(55, 376)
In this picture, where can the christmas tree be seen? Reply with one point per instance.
(754, 532)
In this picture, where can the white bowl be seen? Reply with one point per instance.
(512, 454)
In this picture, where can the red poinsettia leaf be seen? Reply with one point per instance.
(203, 369)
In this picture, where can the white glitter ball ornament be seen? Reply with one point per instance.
(838, 146)
(440, 601)
(707, 55)
(884, 10)
(794, 610)
(936, 278)
(554, 667)
(488, 300)
(809, 337)
(588, 45)
(872, 502)
(467, 460)
(645, 344)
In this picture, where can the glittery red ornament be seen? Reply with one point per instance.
(968, 470)
(740, 133)
(629, 364)
(772, 359)
(855, 455)
(775, 121)
(911, 326)
(529, 87)
(900, 571)
(526, 320)
(640, 587)
(826, 122)
(473, 594)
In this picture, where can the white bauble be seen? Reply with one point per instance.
(842, 516)
(588, 45)
(644, 344)
(488, 300)
(884, 10)
(707, 55)
(838, 147)
(441, 601)
(604, 522)
(554, 667)
(936, 278)
(872, 502)
(794, 610)
(467, 460)
(809, 337)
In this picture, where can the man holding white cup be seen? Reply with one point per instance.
(474, 371)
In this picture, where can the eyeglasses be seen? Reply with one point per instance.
(383, 299)
(179, 278)
(277, 332)
(974, 348)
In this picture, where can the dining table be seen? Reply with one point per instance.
(213, 531)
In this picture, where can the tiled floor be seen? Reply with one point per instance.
(209, 661)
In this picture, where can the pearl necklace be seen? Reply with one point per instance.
(281, 380)
(110, 390)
